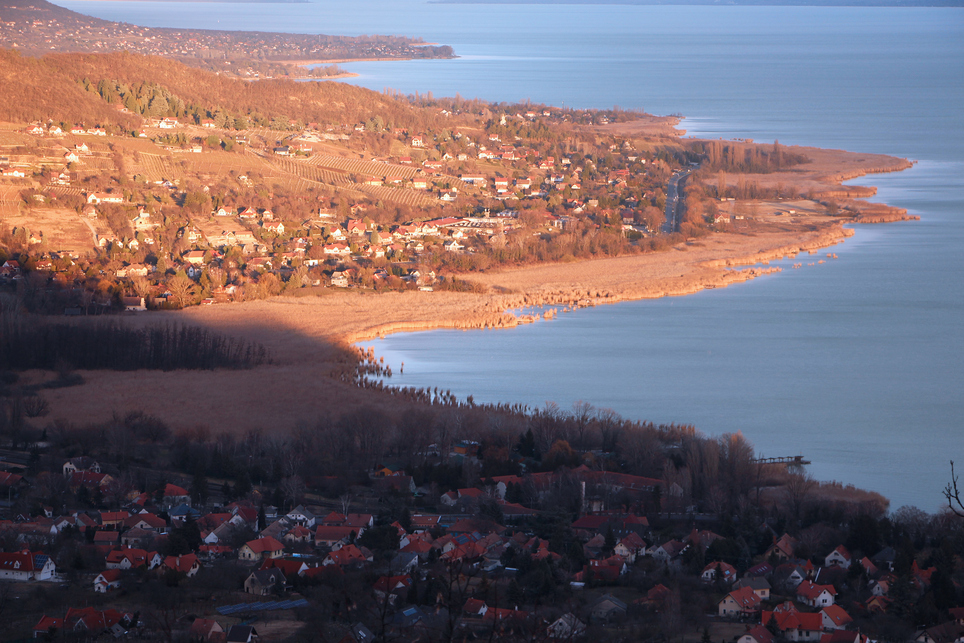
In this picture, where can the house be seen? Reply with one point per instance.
(948, 632)
(96, 198)
(206, 629)
(298, 534)
(782, 548)
(839, 557)
(758, 634)
(669, 553)
(186, 564)
(174, 496)
(793, 624)
(290, 568)
(46, 625)
(333, 536)
(719, 571)
(107, 580)
(242, 634)
(261, 548)
(607, 607)
(566, 627)
(132, 559)
(816, 595)
(301, 515)
(81, 463)
(27, 565)
(835, 617)
(146, 521)
(759, 585)
(739, 603)
(276, 227)
(341, 278)
(630, 546)
(347, 555)
(264, 582)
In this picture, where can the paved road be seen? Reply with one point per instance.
(674, 204)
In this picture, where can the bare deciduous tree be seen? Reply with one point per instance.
(953, 494)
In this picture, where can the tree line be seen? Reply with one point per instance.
(37, 343)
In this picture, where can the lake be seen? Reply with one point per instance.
(858, 363)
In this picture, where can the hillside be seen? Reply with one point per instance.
(50, 87)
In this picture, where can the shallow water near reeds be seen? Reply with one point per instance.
(856, 363)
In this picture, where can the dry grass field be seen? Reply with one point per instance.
(63, 228)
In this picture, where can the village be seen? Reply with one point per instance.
(428, 563)
(151, 228)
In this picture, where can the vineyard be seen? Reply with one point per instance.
(311, 172)
(155, 167)
(67, 191)
(397, 195)
(359, 166)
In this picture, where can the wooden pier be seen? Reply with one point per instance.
(790, 459)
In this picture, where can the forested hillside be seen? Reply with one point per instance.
(53, 87)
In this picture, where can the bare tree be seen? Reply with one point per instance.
(582, 414)
(799, 488)
(345, 500)
(953, 494)
(35, 406)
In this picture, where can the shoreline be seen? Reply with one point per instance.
(311, 339)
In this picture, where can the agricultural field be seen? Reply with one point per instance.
(359, 166)
(397, 195)
(63, 229)
(154, 167)
(311, 172)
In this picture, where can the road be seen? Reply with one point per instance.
(674, 202)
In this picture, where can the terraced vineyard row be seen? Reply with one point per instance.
(312, 172)
(360, 166)
(68, 191)
(155, 167)
(397, 195)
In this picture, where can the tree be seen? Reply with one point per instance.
(953, 495)
(182, 289)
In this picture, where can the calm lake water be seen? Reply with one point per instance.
(858, 363)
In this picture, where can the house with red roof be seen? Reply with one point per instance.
(782, 548)
(261, 548)
(291, 568)
(333, 536)
(839, 557)
(46, 625)
(132, 559)
(107, 580)
(758, 634)
(719, 570)
(27, 565)
(206, 629)
(835, 617)
(816, 595)
(739, 602)
(347, 555)
(186, 564)
(795, 625)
